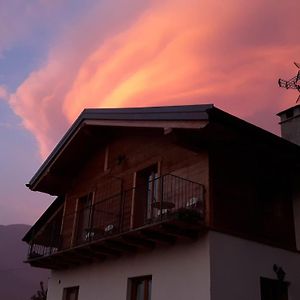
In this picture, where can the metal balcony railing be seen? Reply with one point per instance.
(163, 198)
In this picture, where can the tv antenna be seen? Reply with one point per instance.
(293, 83)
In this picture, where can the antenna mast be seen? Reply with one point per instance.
(293, 83)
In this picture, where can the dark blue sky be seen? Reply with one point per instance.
(24, 52)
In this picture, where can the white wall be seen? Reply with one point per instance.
(227, 267)
(178, 272)
(237, 264)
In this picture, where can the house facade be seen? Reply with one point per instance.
(182, 202)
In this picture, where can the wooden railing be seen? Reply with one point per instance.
(166, 197)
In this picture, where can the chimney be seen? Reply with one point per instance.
(290, 124)
(290, 130)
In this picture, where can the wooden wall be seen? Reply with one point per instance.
(251, 195)
(246, 190)
(113, 169)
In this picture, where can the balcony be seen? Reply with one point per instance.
(167, 209)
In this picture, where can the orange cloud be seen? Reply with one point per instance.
(172, 52)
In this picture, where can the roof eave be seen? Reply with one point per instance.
(166, 113)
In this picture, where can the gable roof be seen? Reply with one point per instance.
(152, 114)
(173, 116)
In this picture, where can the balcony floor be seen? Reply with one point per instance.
(149, 236)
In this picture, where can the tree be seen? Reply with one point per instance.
(40, 294)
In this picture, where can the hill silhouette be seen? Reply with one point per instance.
(18, 281)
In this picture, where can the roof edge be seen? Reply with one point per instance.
(155, 113)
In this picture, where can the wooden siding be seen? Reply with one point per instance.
(68, 222)
(112, 170)
(251, 196)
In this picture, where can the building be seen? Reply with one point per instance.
(182, 202)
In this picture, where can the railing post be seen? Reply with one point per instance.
(161, 196)
(31, 244)
(51, 237)
(203, 203)
(90, 223)
(121, 210)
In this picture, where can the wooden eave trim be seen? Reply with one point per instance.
(47, 171)
(184, 124)
(188, 124)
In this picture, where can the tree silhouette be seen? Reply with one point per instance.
(40, 294)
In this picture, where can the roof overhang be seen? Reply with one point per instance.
(94, 126)
(186, 117)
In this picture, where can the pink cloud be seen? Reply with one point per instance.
(166, 53)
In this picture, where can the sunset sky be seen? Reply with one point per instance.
(58, 57)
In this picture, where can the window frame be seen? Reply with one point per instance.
(83, 218)
(146, 190)
(133, 285)
(68, 290)
(269, 287)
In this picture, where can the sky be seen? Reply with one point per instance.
(58, 57)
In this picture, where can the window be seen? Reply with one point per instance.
(146, 194)
(83, 217)
(272, 289)
(140, 288)
(71, 293)
(152, 188)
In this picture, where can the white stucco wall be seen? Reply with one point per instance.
(238, 264)
(178, 272)
(215, 267)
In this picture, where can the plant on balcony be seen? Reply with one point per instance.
(188, 215)
(40, 294)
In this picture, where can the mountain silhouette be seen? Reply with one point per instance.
(18, 281)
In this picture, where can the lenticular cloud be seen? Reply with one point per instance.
(166, 52)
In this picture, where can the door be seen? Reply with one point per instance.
(83, 218)
(146, 193)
